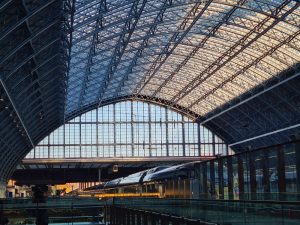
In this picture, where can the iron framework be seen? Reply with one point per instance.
(232, 65)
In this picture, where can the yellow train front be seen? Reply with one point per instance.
(158, 182)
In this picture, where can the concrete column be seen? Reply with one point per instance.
(2, 189)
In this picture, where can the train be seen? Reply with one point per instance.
(195, 180)
(154, 182)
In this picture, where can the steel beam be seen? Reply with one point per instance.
(256, 61)
(185, 26)
(158, 101)
(151, 33)
(101, 10)
(17, 112)
(4, 4)
(248, 99)
(127, 160)
(134, 15)
(24, 19)
(28, 40)
(259, 30)
(264, 135)
(31, 56)
(200, 45)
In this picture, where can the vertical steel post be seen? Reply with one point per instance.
(212, 178)
(221, 178)
(167, 131)
(115, 132)
(128, 217)
(252, 176)
(204, 173)
(80, 124)
(132, 130)
(199, 139)
(297, 153)
(183, 136)
(153, 219)
(266, 174)
(281, 172)
(97, 132)
(149, 126)
(230, 177)
(241, 176)
(138, 217)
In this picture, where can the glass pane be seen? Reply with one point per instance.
(126, 128)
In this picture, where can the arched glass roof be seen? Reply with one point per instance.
(232, 65)
(197, 54)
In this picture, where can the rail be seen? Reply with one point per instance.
(220, 211)
(232, 212)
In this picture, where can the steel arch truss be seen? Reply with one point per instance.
(34, 53)
(61, 57)
(260, 118)
(196, 56)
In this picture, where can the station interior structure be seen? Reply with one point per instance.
(130, 112)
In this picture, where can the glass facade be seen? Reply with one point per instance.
(130, 129)
(262, 174)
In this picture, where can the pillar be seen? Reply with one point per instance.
(39, 193)
(297, 152)
(230, 178)
(204, 180)
(41, 217)
(164, 219)
(144, 218)
(122, 216)
(266, 174)
(3, 219)
(221, 178)
(117, 215)
(111, 215)
(153, 219)
(128, 217)
(2, 189)
(105, 214)
(138, 217)
(212, 179)
(281, 172)
(176, 220)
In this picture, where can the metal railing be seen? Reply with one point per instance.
(233, 212)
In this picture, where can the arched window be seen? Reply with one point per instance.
(129, 129)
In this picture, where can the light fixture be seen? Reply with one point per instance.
(115, 168)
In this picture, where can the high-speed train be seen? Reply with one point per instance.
(192, 180)
(154, 182)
